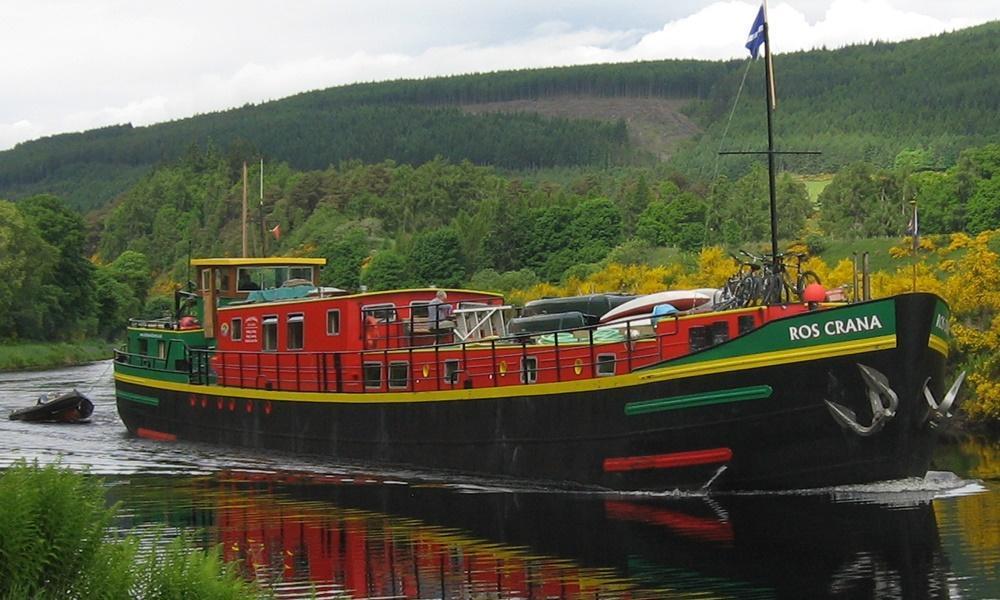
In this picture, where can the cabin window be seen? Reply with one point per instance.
(161, 349)
(606, 364)
(204, 279)
(419, 310)
(699, 338)
(451, 370)
(746, 324)
(399, 375)
(720, 332)
(271, 333)
(529, 369)
(236, 329)
(373, 375)
(143, 347)
(296, 331)
(383, 312)
(333, 322)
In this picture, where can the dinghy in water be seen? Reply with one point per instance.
(62, 407)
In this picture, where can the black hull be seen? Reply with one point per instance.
(71, 407)
(788, 441)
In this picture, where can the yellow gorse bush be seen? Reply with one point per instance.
(966, 273)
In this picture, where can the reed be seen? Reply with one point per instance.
(55, 542)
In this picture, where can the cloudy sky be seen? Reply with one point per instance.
(70, 65)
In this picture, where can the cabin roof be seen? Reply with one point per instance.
(259, 261)
(384, 294)
(431, 290)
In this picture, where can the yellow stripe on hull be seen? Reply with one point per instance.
(771, 359)
(938, 344)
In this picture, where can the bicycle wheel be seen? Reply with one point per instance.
(770, 291)
(746, 291)
(804, 279)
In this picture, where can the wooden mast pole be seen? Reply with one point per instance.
(263, 228)
(769, 84)
(243, 222)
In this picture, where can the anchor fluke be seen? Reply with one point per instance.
(941, 412)
(848, 420)
(881, 396)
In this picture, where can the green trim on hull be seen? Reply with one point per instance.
(140, 398)
(757, 392)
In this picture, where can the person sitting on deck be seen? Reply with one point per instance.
(439, 312)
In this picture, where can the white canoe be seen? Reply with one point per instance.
(680, 299)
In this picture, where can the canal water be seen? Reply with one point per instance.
(312, 527)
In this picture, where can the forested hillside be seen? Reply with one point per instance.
(932, 97)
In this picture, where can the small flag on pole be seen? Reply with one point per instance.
(276, 231)
(913, 228)
(756, 38)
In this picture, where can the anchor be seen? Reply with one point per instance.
(939, 413)
(883, 399)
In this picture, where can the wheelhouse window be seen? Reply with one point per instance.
(606, 364)
(262, 278)
(333, 321)
(270, 333)
(451, 370)
(221, 280)
(399, 375)
(300, 273)
(248, 279)
(373, 375)
(236, 329)
(295, 328)
(384, 313)
(529, 369)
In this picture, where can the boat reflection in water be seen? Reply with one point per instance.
(362, 538)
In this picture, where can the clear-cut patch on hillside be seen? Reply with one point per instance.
(655, 125)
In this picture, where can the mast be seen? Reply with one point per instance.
(243, 222)
(263, 228)
(769, 94)
(760, 33)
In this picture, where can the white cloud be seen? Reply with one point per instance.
(84, 65)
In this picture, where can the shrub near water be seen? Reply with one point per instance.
(54, 544)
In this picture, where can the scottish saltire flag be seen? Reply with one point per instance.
(756, 37)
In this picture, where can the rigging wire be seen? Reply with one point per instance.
(732, 113)
(98, 379)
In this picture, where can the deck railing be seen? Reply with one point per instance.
(413, 368)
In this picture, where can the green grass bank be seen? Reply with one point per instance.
(46, 355)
